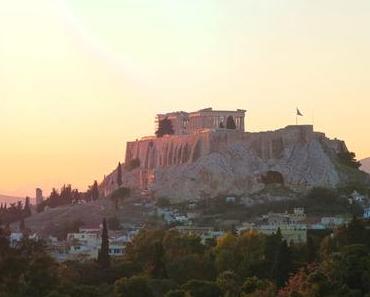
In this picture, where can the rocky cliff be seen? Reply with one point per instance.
(365, 165)
(223, 162)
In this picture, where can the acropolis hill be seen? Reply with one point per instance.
(209, 154)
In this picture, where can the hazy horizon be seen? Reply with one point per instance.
(80, 78)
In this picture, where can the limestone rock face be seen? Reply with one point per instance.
(365, 165)
(223, 162)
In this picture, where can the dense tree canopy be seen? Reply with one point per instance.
(349, 159)
(162, 263)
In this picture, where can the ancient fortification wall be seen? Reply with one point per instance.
(301, 155)
(168, 151)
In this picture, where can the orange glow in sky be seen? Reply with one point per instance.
(79, 78)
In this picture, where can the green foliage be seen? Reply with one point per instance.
(27, 271)
(176, 293)
(198, 288)
(27, 208)
(161, 287)
(119, 174)
(15, 211)
(93, 192)
(119, 195)
(136, 286)
(187, 267)
(254, 287)
(61, 231)
(165, 128)
(166, 263)
(349, 159)
(323, 200)
(114, 223)
(142, 250)
(66, 196)
(103, 257)
(229, 283)
(282, 265)
(244, 255)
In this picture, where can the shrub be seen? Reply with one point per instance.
(349, 159)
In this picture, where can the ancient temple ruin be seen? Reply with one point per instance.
(205, 156)
(186, 123)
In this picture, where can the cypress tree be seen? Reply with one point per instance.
(95, 191)
(103, 257)
(22, 226)
(119, 175)
(282, 265)
(311, 250)
(27, 208)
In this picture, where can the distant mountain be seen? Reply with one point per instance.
(9, 199)
(365, 165)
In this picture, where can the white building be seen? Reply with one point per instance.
(333, 222)
(16, 237)
(297, 217)
(366, 214)
(87, 242)
(205, 233)
(292, 233)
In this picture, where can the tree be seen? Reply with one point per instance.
(4, 242)
(349, 159)
(176, 293)
(114, 223)
(95, 191)
(282, 265)
(22, 226)
(119, 175)
(309, 281)
(119, 195)
(27, 270)
(230, 123)
(197, 288)
(255, 287)
(136, 286)
(229, 284)
(103, 256)
(356, 232)
(165, 128)
(311, 251)
(27, 208)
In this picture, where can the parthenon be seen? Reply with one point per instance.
(185, 123)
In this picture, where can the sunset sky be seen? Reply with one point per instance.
(79, 78)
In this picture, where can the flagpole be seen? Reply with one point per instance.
(298, 114)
